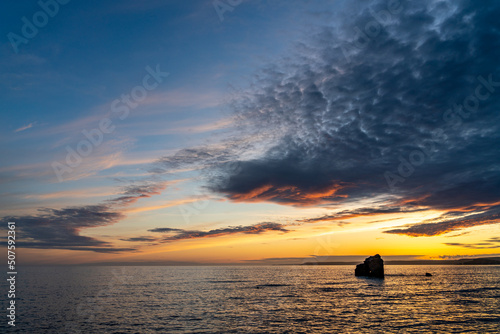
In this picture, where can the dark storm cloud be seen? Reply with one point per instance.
(187, 234)
(402, 96)
(444, 224)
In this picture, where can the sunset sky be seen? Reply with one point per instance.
(250, 131)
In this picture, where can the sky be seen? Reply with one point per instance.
(229, 131)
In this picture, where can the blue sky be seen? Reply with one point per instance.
(65, 78)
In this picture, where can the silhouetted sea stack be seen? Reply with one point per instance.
(428, 274)
(372, 267)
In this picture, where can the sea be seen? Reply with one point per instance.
(254, 299)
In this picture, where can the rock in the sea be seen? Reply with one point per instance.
(428, 274)
(372, 267)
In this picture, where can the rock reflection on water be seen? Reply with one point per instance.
(257, 299)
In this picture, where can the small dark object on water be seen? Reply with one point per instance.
(372, 267)
(428, 274)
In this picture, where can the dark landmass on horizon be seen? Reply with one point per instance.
(306, 262)
(476, 261)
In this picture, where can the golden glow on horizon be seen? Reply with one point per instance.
(303, 241)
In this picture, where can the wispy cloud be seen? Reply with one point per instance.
(361, 212)
(61, 228)
(79, 193)
(445, 224)
(140, 239)
(53, 228)
(180, 234)
(486, 244)
(185, 98)
(133, 193)
(165, 205)
(26, 127)
(199, 128)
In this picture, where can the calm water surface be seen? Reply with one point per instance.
(261, 299)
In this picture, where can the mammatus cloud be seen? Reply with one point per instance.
(339, 124)
(180, 234)
(418, 97)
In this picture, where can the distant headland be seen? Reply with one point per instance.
(474, 261)
(302, 261)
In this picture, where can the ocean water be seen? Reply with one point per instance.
(255, 299)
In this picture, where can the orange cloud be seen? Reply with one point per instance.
(162, 206)
(361, 212)
(440, 226)
(290, 195)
